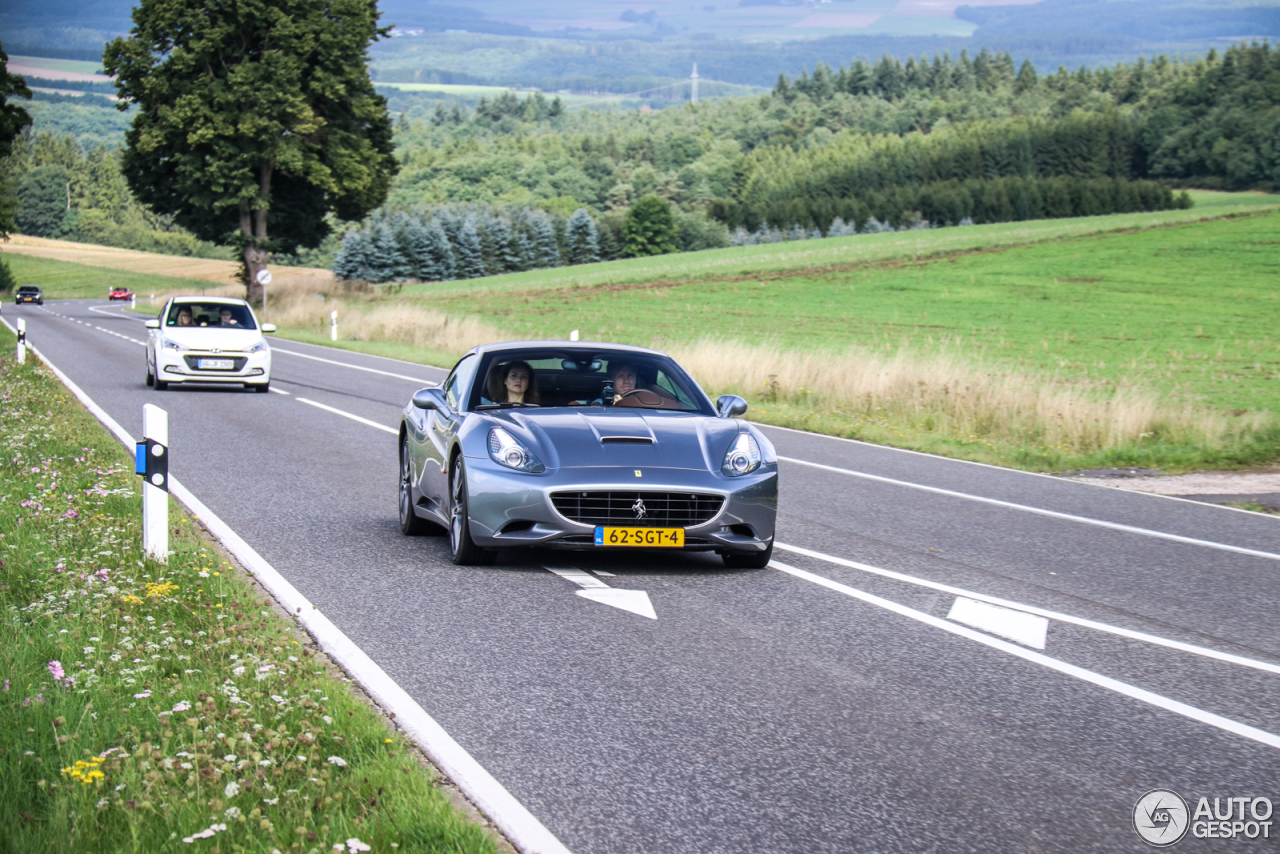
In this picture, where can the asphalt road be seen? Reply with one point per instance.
(827, 703)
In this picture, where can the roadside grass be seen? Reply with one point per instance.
(148, 705)
(67, 280)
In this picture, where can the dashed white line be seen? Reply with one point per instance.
(1054, 514)
(1123, 688)
(352, 416)
(1042, 612)
(354, 367)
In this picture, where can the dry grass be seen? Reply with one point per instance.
(948, 394)
(369, 316)
(183, 267)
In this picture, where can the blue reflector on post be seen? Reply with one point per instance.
(140, 458)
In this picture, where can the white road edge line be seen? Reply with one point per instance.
(1182, 498)
(1040, 612)
(519, 825)
(381, 427)
(1115, 526)
(425, 383)
(1123, 688)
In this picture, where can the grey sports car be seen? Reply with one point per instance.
(584, 446)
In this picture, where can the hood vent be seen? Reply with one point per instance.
(626, 440)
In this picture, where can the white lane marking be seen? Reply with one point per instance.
(424, 383)
(1055, 478)
(1026, 629)
(118, 335)
(1054, 514)
(481, 788)
(1155, 640)
(1123, 688)
(603, 574)
(635, 601)
(278, 391)
(353, 417)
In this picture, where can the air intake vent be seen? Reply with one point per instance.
(642, 509)
(626, 440)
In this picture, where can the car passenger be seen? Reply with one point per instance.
(513, 382)
(184, 317)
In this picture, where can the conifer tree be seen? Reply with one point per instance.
(470, 253)
(582, 241)
(544, 247)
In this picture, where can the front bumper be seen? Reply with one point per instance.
(177, 366)
(510, 509)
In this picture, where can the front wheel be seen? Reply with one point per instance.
(750, 560)
(465, 551)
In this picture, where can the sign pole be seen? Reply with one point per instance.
(152, 462)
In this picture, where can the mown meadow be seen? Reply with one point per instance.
(150, 707)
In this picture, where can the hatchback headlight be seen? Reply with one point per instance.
(256, 348)
(170, 344)
(743, 456)
(505, 450)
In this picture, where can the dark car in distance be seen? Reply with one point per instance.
(29, 293)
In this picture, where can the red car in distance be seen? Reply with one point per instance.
(120, 293)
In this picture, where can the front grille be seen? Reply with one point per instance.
(661, 509)
(193, 362)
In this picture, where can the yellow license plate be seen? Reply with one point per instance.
(646, 537)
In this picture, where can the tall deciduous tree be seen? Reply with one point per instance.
(256, 119)
(12, 120)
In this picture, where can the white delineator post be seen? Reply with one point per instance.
(155, 496)
(22, 341)
(333, 325)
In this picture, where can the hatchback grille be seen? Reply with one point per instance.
(660, 509)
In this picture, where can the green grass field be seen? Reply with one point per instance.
(1187, 311)
(66, 280)
(817, 254)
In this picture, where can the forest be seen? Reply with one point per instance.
(936, 140)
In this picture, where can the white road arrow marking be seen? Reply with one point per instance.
(1026, 629)
(635, 601)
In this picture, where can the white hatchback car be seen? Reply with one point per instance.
(208, 340)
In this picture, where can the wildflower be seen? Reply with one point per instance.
(204, 834)
(6, 686)
(182, 706)
(71, 514)
(232, 812)
(230, 757)
(353, 846)
(338, 760)
(232, 789)
(271, 801)
(144, 695)
(55, 667)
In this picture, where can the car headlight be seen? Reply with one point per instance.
(170, 344)
(743, 457)
(256, 348)
(507, 451)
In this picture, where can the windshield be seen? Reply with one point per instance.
(578, 377)
(219, 315)
(28, 289)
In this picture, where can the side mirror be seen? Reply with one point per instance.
(153, 323)
(429, 398)
(731, 406)
(268, 328)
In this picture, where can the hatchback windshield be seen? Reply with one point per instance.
(221, 315)
(594, 378)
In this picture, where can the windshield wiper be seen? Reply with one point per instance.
(505, 405)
